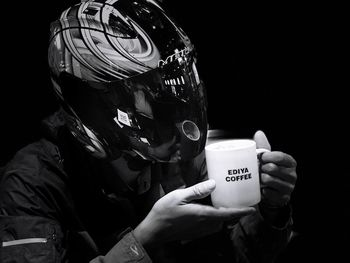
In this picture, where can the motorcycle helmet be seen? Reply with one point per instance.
(125, 75)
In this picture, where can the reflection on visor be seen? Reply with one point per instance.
(176, 79)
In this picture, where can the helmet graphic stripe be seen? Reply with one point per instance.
(105, 16)
(67, 38)
(146, 51)
(88, 37)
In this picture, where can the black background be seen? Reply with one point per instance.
(277, 68)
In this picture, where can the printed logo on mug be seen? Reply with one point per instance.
(233, 164)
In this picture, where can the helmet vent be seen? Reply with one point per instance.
(190, 130)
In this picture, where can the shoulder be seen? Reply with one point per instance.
(33, 154)
(34, 162)
(33, 182)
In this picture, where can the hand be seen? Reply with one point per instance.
(174, 217)
(278, 174)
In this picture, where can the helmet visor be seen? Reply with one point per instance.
(160, 114)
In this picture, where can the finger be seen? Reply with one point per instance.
(197, 191)
(261, 140)
(274, 197)
(279, 158)
(221, 214)
(285, 174)
(276, 183)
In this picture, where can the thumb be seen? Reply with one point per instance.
(261, 140)
(198, 191)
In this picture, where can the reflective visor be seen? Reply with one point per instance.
(160, 114)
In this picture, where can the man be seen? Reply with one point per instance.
(119, 175)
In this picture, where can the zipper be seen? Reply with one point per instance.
(35, 240)
(23, 241)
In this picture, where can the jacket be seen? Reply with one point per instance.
(56, 207)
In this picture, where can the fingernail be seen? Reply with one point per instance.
(210, 184)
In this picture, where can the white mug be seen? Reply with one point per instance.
(233, 164)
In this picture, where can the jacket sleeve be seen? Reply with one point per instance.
(128, 249)
(30, 209)
(255, 239)
(35, 211)
(30, 239)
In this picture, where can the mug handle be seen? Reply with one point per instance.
(259, 153)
